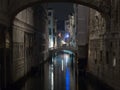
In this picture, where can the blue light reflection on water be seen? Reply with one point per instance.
(67, 79)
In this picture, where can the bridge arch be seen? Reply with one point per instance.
(55, 50)
(102, 6)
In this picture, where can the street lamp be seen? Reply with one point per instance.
(67, 38)
(67, 35)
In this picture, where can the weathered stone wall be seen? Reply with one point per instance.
(4, 16)
(29, 40)
(82, 14)
(96, 33)
(104, 45)
(113, 46)
(2, 52)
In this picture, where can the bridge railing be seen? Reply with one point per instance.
(63, 47)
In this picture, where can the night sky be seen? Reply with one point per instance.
(61, 11)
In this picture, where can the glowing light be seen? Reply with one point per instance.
(66, 57)
(60, 35)
(67, 35)
(63, 42)
(52, 77)
(50, 42)
(114, 62)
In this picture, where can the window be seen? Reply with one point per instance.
(49, 13)
(54, 30)
(100, 55)
(111, 44)
(95, 61)
(49, 31)
(107, 57)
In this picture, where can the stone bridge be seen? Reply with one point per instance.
(56, 49)
(9, 8)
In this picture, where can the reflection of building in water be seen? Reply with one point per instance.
(52, 28)
(67, 79)
(51, 76)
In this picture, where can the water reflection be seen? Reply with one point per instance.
(57, 75)
(51, 76)
(62, 70)
(67, 79)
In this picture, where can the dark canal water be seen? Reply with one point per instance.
(58, 74)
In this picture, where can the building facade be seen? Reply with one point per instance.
(97, 49)
(104, 46)
(30, 41)
(81, 18)
(52, 28)
(55, 33)
(71, 30)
